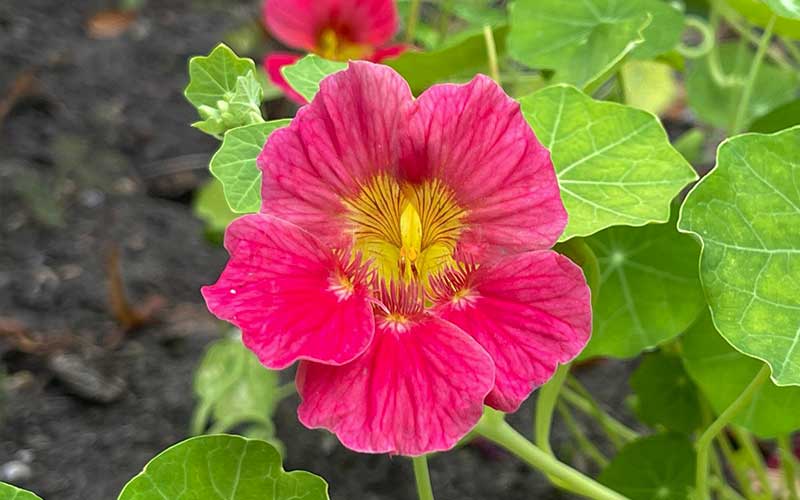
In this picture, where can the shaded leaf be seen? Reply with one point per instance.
(463, 58)
(233, 389)
(666, 395)
(654, 467)
(690, 145)
(209, 204)
(780, 118)
(252, 397)
(480, 12)
(717, 104)
(759, 13)
(722, 373)
(234, 164)
(746, 212)
(304, 75)
(649, 289)
(225, 468)
(615, 164)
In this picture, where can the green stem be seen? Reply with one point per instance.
(750, 447)
(579, 397)
(285, 391)
(413, 18)
(545, 404)
(496, 429)
(444, 20)
(200, 419)
(733, 19)
(717, 481)
(423, 477)
(705, 46)
(716, 463)
(707, 438)
(789, 465)
(491, 53)
(713, 61)
(725, 491)
(584, 444)
(733, 462)
(744, 101)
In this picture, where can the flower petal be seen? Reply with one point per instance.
(412, 392)
(299, 23)
(475, 139)
(273, 64)
(530, 312)
(349, 133)
(281, 288)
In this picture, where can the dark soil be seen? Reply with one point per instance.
(97, 155)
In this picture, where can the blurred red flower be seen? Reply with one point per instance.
(338, 30)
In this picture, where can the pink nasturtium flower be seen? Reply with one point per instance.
(339, 30)
(402, 255)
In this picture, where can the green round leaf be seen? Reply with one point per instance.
(581, 41)
(717, 105)
(10, 492)
(222, 467)
(649, 289)
(664, 31)
(660, 467)
(234, 164)
(746, 212)
(615, 164)
(722, 373)
(666, 395)
(304, 75)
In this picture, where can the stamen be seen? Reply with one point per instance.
(452, 283)
(352, 273)
(400, 299)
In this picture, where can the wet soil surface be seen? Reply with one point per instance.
(97, 158)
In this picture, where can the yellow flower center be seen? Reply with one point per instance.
(410, 231)
(331, 45)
